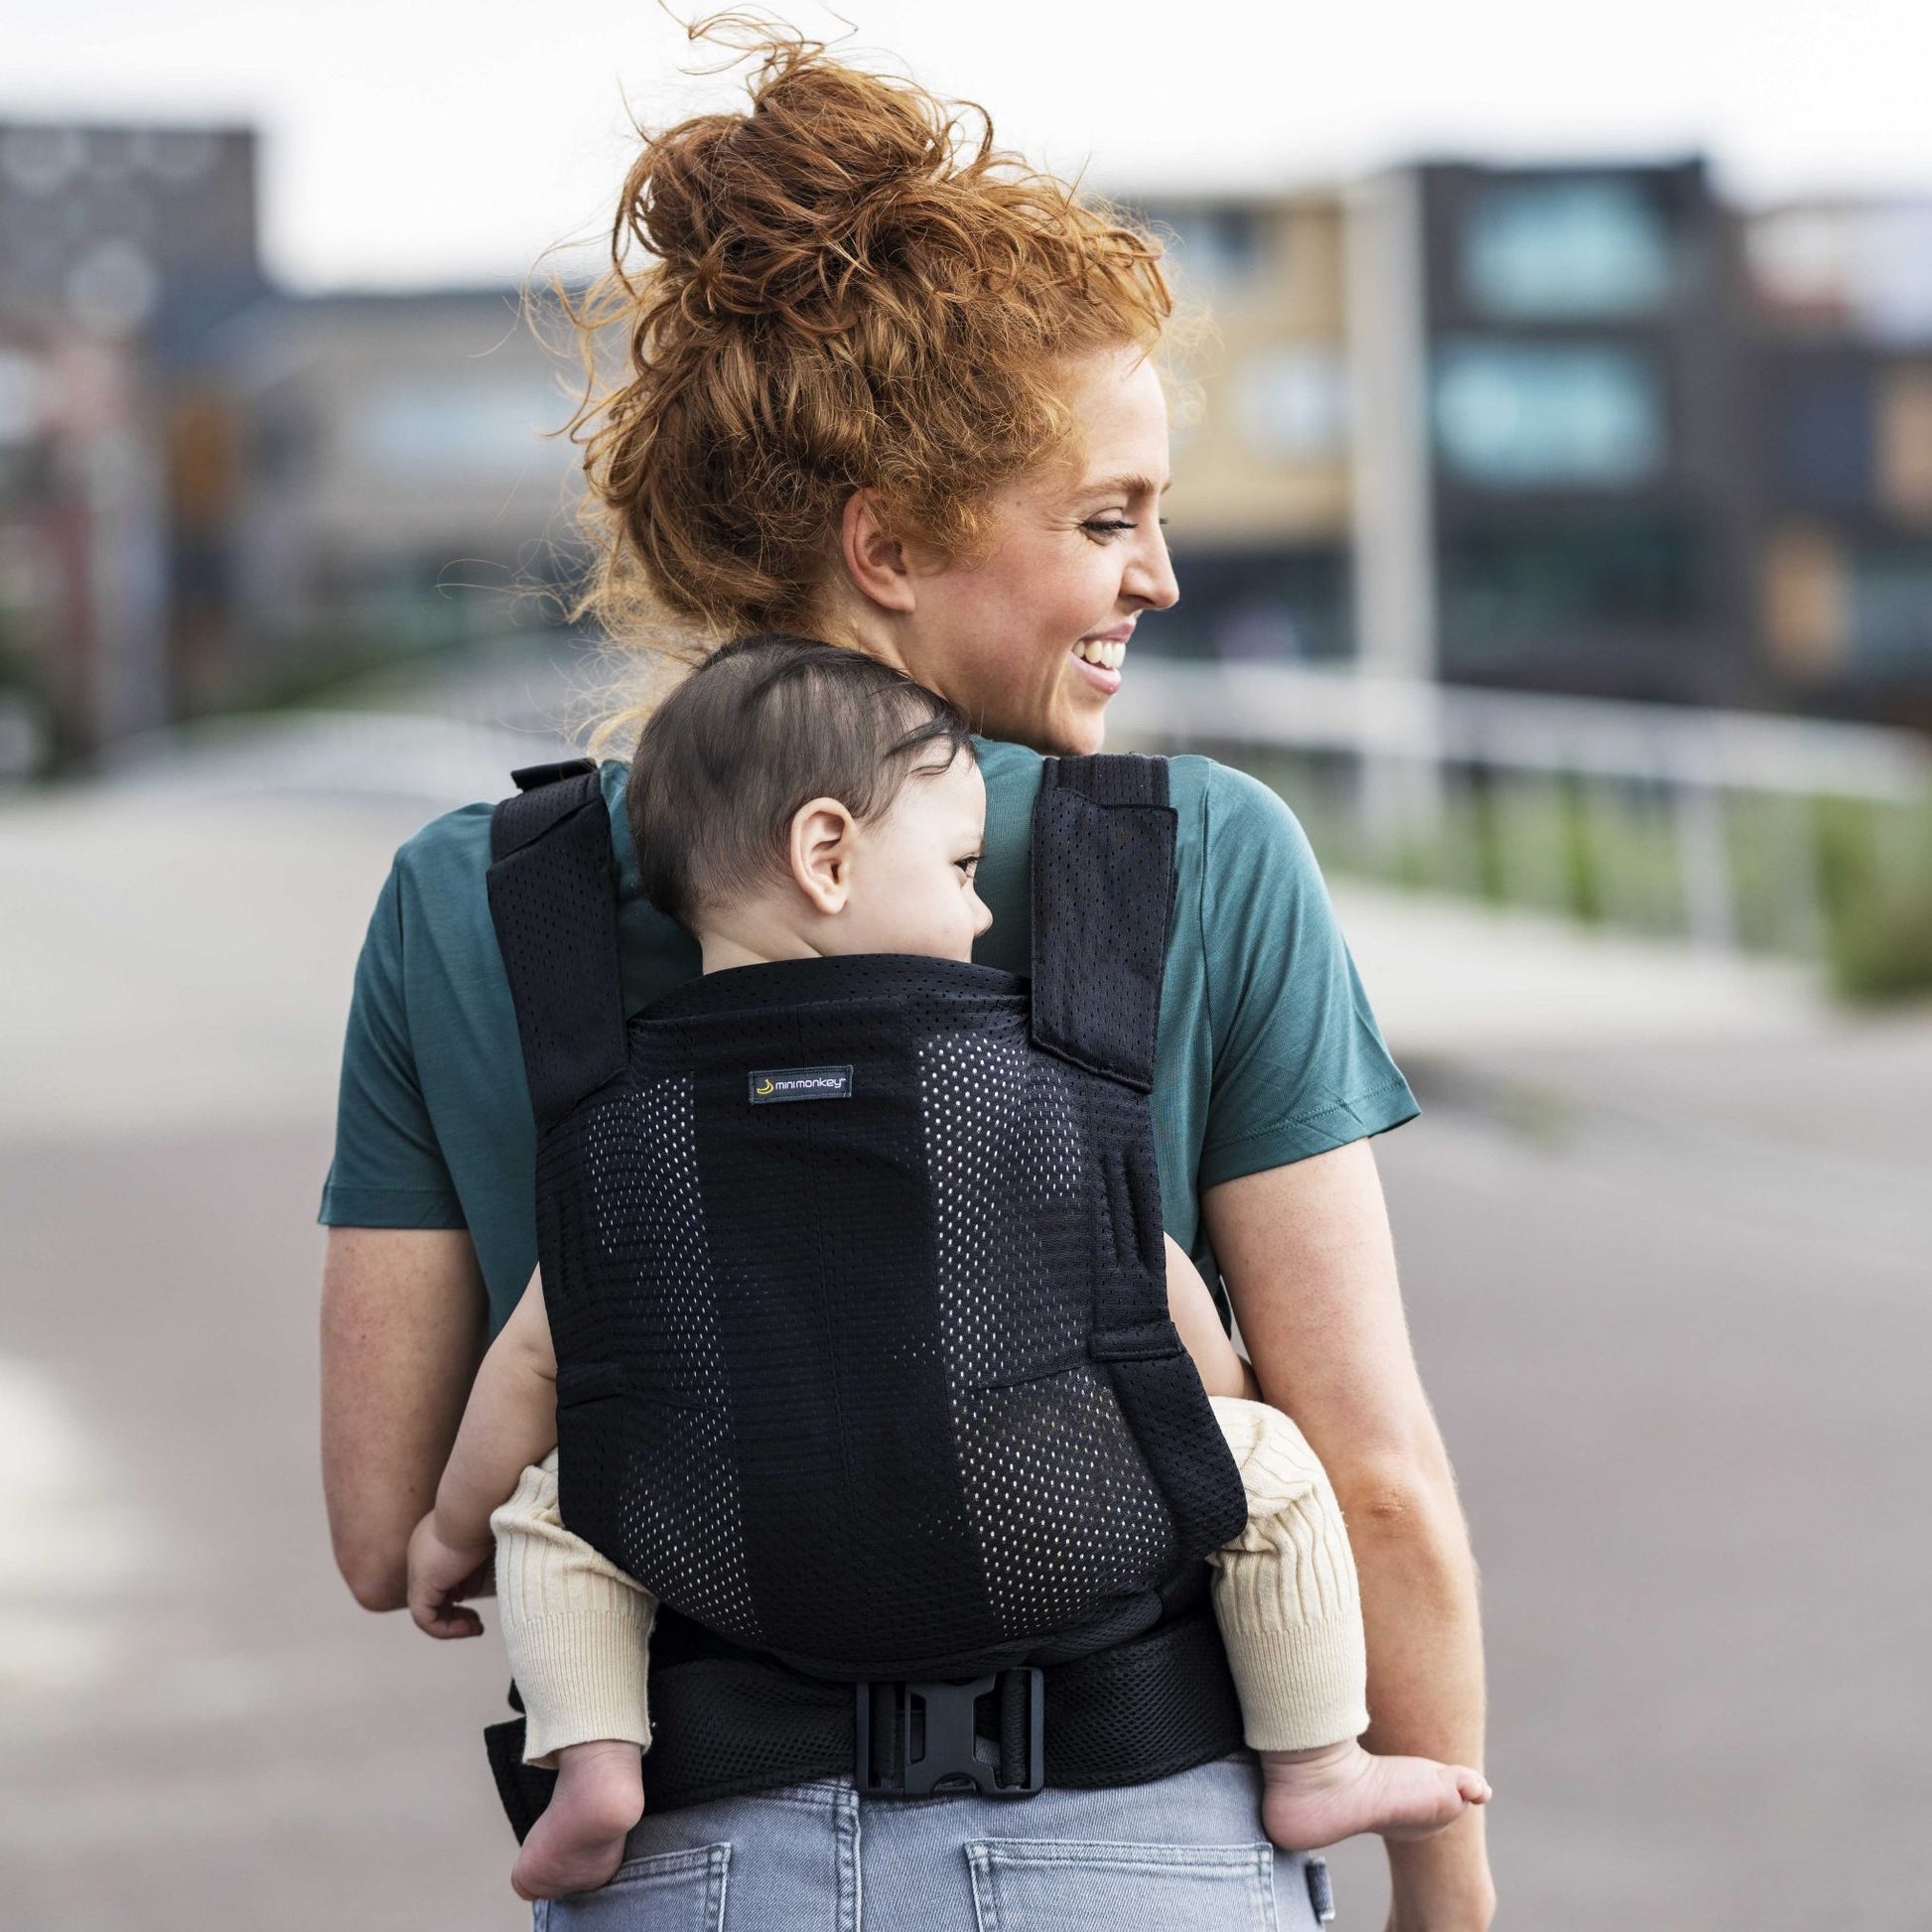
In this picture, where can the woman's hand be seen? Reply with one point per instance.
(441, 1576)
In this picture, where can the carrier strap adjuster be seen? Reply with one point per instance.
(917, 1738)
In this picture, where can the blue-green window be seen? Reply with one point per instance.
(1529, 415)
(1563, 250)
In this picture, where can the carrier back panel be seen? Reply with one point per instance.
(854, 1270)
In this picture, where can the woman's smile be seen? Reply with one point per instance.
(1100, 655)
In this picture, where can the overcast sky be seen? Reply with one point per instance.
(425, 141)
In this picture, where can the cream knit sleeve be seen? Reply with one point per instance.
(577, 1627)
(1285, 1591)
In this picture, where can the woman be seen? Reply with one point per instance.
(885, 388)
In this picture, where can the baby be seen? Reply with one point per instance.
(888, 868)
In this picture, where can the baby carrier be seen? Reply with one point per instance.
(854, 1270)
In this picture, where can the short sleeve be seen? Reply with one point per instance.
(388, 1170)
(1298, 1067)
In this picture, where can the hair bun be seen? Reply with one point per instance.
(785, 208)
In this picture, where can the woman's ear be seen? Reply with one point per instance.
(875, 559)
(821, 854)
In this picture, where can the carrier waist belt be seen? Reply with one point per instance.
(733, 1724)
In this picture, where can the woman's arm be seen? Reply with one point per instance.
(1310, 1267)
(404, 1321)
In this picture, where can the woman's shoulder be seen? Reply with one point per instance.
(453, 847)
(1243, 820)
(450, 856)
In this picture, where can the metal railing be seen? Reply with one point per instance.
(1395, 767)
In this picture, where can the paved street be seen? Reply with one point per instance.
(1665, 1231)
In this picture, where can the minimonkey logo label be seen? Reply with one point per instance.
(800, 1083)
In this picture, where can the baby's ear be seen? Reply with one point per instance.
(820, 854)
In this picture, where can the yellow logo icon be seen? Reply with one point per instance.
(764, 1086)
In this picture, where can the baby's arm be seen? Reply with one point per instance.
(1191, 1310)
(510, 1423)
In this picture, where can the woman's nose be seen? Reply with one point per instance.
(1150, 579)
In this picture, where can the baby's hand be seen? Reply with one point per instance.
(439, 1577)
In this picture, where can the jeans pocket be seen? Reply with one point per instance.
(668, 1891)
(1056, 1885)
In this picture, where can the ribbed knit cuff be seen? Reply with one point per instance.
(576, 1627)
(1300, 1687)
(581, 1677)
(1285, 1591)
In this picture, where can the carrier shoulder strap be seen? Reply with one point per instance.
(553, 902)
(1103, 883)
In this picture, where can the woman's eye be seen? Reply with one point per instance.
(1106, 528)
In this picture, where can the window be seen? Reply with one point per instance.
(1255, 606)
(1516, 416)
(1806, 599)
(1292, 403)
(1905, 442)
(1891, 609)
(1526, 593)
(1825, 429)
(1561, 250)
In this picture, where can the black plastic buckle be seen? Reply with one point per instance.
(929, 1736)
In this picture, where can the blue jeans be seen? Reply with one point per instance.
(1184, 1852)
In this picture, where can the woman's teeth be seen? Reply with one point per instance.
(1109, 656)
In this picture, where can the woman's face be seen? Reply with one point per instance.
(1029, 641)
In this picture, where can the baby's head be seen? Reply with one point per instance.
(792, 798)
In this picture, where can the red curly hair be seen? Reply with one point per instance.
(845, 287)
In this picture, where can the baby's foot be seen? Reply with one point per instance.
(577, 1841)
(1314, 1798)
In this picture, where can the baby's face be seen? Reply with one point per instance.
(911, 878)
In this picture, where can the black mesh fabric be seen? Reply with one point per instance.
(882, 1382)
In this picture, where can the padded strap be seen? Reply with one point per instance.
(1103, 881)
(553, 900)
(732, 1724)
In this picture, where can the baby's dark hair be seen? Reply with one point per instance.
(762, 725)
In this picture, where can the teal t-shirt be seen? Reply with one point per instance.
(1267, 1052)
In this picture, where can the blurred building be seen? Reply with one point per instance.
(1263, 512)
(1582, 432)
(404, 478)
(211, 491)
(119, 248)
(1840, 470)
(1579, 430)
